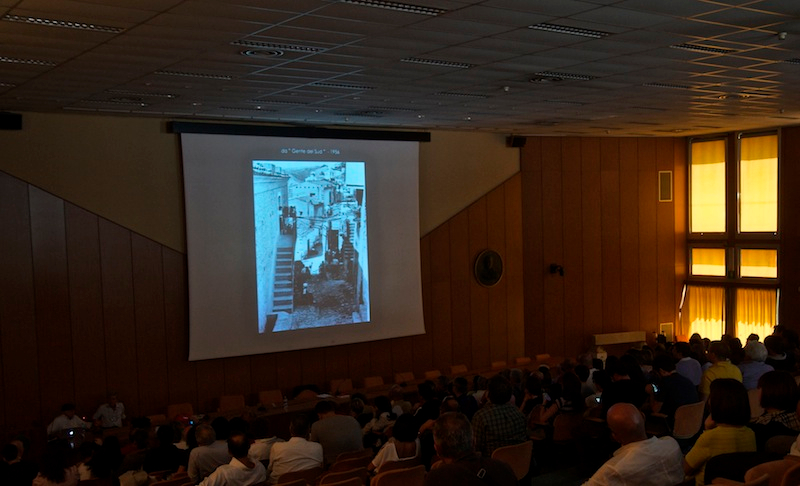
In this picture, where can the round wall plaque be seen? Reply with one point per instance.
(488, 268)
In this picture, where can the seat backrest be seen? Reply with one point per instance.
(401, 464)
(341, 386)
(308, 475)
(541, 358)
(404, 377)
(347, 482)
(296, 482)
(413, 476)
(336, 476)
(350, 463)
(179, 409)
(499, 365)
(270, 398)
(774, 469)
(432, 374)
(517, 456)
(373, 381)
(756, 410)
(564, 426)
(688, 420)
(353, 454)
(306, 395)
(522, 361)
(458, 369)
(792, 476)
(231, 402)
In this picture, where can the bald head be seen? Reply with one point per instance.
(626, 422)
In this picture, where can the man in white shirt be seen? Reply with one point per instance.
(640, 461)
(241, 471)
(297, 454)
(111, 414)
(66, 421)
(208, 455)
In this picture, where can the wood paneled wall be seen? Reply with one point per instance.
(591, 206)
(87, 306)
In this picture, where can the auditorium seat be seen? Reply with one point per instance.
(179, 409)
(231, 403)
(373, 381)
(457, 370)
(342, 386)
(270, 398)
(432, 374)
(404, 377)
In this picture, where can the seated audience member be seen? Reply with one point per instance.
(106, 461)
(753, 366)
(399, 404)
(67, 421)
(779, 396)
(640, 461)
(687, 366)
(674, 389)
(498, 423)
(359, 410)
(135, 452)
(725, 428)
(778, 357)
(85, 453)
(261, 446)
(466, 402)
(383, 418)
(721, 367)
(479, 388)
(241, 470)
(165, 456)
(208, 455)
(335, 433)
(460, 465)
(584, 374)
(533, 393)
(569, 401)
(627, 384)
(600, 381)
(404, 444)
(111, 414)
(14, 470)
(56, 469)
(428, 408)
(297, 454)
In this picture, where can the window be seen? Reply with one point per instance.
(733, 239)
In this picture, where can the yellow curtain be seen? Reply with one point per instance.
(708, 187)
(756, 312)
(704, 312)
(758, 184)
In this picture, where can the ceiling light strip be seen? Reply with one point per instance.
(553, 74)
(277, 47)
(221, 77)
(115, 102)
(341, 86)
(437, 62)
(7, 85)
(701, 48)
(399, 7)
(67, 24)
(34, 62)
(792, 61)
(461, 95)
(565, 29)
(237, 108)
(141, 93)
(667, 85)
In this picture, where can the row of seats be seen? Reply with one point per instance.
(345, 386)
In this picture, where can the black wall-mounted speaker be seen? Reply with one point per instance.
(10, 121)
(515, 141)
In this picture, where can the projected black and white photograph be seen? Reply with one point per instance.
(311, 244)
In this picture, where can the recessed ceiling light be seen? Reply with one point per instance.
(67, 24)
(221, 77)
(35, 62)
(553, 74)
(276, 46)
(400, 7)
(701, 48)
(262, 53)
(565, 29)
(437, 62)
(792, 61)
